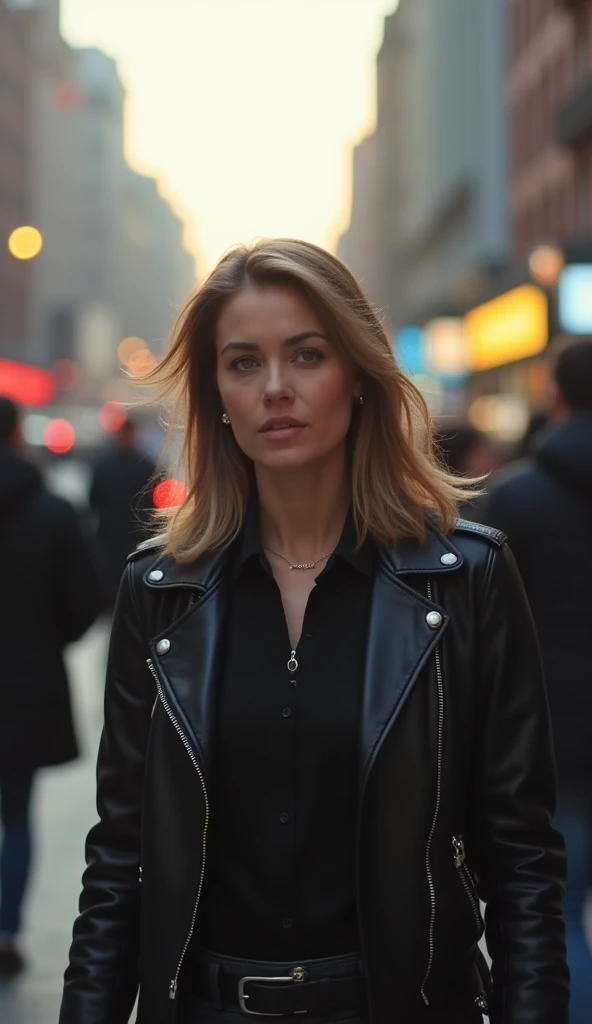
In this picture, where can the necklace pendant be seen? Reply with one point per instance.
(303, 565)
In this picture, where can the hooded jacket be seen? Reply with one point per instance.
(456, 792)
(544, 505)
(49, 596)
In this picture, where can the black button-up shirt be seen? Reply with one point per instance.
(280, 866)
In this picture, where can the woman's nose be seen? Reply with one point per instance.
(277, 384)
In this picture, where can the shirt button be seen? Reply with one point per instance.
(287, 922)
(287, 712)
(284, 818)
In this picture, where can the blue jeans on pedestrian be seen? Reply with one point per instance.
(574, 820)
(15, 849)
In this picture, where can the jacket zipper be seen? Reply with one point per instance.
(460, 858)
(173, 985)
(428, 856)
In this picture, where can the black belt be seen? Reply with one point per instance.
(316, 987)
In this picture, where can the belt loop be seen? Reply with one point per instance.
(213, 974)
(324, 991)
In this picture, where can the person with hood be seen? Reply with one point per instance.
(50, 595)
(544, 506)
(121, 497)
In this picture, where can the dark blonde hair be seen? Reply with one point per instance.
(396, 477)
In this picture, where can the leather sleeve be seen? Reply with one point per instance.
(519, 857)
(101, 979)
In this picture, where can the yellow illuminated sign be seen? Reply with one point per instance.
(512, 326)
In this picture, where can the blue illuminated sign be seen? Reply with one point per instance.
(410, 348)
(575, 298)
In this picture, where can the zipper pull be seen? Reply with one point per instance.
(173, 989)
(458, 845)
(292, 664)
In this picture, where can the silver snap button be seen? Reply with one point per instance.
(434, 619)
(163, 646)
(449, 559)
(156, 576)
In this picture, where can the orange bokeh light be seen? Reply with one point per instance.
(169, 493)
(141, 362)
(112, 416)
(59, 436)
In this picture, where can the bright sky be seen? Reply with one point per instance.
(245, 110)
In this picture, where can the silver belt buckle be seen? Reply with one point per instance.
(297, 974)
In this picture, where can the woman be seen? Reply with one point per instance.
(326, 733)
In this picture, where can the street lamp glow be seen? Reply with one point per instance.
(25, 243)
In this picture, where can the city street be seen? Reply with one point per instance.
(64, 810)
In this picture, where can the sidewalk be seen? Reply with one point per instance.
(64, 810)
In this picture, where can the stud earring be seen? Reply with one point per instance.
(361, 399)
(226, 419)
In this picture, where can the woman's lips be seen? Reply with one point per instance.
(282, 433)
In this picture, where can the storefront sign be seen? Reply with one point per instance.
(512, 326)
(575, 298)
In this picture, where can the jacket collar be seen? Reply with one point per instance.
(408, 557)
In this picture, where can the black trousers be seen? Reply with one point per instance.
(195, 1010)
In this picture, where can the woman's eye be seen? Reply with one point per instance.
(309, 355)
(244, 363)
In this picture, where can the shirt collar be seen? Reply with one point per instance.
(249, 544)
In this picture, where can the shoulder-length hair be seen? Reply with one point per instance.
(397, 479)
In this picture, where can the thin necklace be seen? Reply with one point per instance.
(299, 565)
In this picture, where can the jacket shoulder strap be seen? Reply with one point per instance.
(495, 536)
(152, 544)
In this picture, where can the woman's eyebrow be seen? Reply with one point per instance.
(250, 346)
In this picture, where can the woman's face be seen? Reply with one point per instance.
(287, 390)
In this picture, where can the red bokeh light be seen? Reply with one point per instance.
(112, 416)
(27, 385)
(169, 493)
(59, 436)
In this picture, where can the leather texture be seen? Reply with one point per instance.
(455, 742)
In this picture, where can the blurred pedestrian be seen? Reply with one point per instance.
(49, 595)
(314, 760)
(469, 453)
(538, 421)
(544, 505)
(121, 497)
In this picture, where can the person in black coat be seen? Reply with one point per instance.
(544, 506)
(50, 595)
(121, 497)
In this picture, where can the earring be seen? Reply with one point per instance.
(361, 399)
(226, 419)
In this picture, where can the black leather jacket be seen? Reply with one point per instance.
(456, 792)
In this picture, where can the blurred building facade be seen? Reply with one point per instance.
(471, 220)
(14, 161)
(439, 178)
(549, 93)
(113, 262)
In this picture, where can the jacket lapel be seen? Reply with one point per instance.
(400, 636)
(188, 662)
